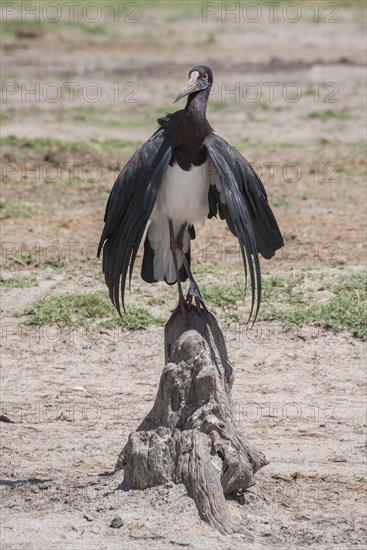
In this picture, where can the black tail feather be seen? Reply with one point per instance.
(147, 268)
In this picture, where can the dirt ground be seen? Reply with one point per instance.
(70, 397)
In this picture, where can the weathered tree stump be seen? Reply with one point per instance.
(190, 436)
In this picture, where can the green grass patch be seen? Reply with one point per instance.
(19, 281)
(119, 147)
(223, 295)
(76, 181)
(221, 105)
(15, 27)
(16, 209)
(73, 310)
(135, 318)
(287, 301)
(262, 105)
(251, 117)
(28, 146)
(156, 301)
(150, 38)
(279, 201)
(330, 114)
(5, 118)
(173, 10)
(290, 288)
(347, 310)
(69, 309)
(255, 146)
(352, 172)
(24, 148)
(220, 271)
(292, 302)
(92, 116)
(211, 38)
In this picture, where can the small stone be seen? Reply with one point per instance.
(337, 459)
(4, 418)
(117, 522)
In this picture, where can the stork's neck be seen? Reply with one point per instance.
(189, 136)
(196, 105)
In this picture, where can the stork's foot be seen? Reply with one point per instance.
(193, 299)
(195, 295)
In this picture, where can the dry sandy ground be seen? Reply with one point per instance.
(74, 397)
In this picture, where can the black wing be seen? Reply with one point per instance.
(128, 209)
(244, 206)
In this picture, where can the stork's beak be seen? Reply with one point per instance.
(193, 85)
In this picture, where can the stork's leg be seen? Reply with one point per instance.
(194, 292)
(174, 248)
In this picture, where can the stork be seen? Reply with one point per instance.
(184, 173)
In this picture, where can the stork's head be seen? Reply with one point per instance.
(200, 78)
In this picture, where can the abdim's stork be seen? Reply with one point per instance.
(182, 174)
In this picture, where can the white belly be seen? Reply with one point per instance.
(183, 198)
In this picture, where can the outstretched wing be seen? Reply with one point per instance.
(128, 209)
(238, 194)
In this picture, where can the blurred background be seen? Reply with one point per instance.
(83, 85)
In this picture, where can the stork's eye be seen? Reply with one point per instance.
(204, 77)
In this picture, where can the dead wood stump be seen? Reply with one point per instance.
(190, 436)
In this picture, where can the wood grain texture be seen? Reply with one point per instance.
(190, 436)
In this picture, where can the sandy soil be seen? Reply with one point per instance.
(74, 396)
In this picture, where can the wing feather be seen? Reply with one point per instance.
(246, 210)
(128, 209)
